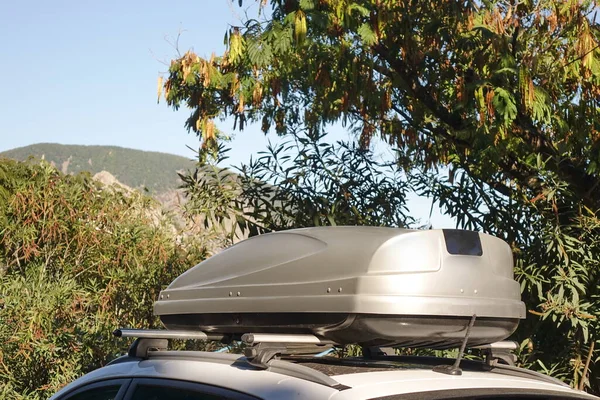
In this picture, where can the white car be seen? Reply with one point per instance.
(289, 295)
(189, 375)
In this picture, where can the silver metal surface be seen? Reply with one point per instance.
(165, 334)
(251, 338)
(503, 345)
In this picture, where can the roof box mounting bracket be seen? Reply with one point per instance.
(260, 354)
(140, 346)
(372, 352)
(499, 353)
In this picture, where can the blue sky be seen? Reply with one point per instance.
(84, 72)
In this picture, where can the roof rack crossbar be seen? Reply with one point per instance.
(252, 338)
(264, 346)
(168, 334)
(268, 346)
(158, 339)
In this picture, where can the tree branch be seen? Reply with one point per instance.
(406, 73)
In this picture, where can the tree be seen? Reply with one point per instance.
(303, 181)
(504, 93)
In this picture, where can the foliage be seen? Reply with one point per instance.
(152, 171)
(556, 242)
(504, 93)
(484, 87)
(77, 260)
(303, 181)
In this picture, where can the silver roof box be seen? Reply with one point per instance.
(366, 285)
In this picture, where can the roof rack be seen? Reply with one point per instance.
(499, 353)
(263, 353)
(264, 346)
(265, 349)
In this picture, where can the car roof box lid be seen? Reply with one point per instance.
(365, 285)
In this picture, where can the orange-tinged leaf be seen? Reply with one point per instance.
(587, 58)
(257, 94)
(489, 102)
(167, 89)
(584, 48)
(460, 89)
(240, 108)
(159, 88)
(234, 85)
(536, 313)
(209, 132)
(205, 71)
(531, 92)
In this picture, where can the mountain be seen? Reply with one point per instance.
(157, 172)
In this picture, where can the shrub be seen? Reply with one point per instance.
(77, 260)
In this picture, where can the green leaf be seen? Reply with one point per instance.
(299, 26)
(307, 5)
(505, 105)
(367, 35)
(361, 10)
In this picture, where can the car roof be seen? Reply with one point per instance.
(382, 384)
(378, 379)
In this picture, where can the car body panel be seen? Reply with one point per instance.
(259, 383)
(380, 384)
(265, 384)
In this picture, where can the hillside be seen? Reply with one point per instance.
(157, 172)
